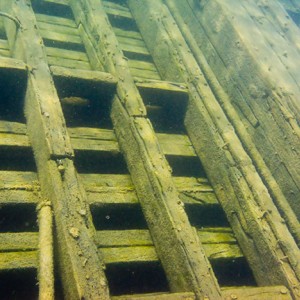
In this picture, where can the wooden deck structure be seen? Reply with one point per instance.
(149, 149)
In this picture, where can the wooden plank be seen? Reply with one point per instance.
(134, 49)
(68, 54)
(155, 86)
(93, 139)
(96, 182)
(60, 37)
(18, 196)
(18, 260)
(21, 241)
(61, 2)
(12, 64)
(129, 238)
(12, 127)
(58, 28)
(157, 296)
(18, 180)
(94, 76)
(253, 293)
(105, 140)
(55, 20)
(100, 134)
(129, 254)
(115, 5)
(111, 196)
(148, 254)
(4, 44)
(94, 145)
(148, 74)
(144, 65)
(175, 144)
(132, 42)
(118, 189)
(117, 10)
(68, 63)
(14, 140)
(5, 53)
(127, 33)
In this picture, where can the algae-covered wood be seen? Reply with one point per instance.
(184, 263)
(79, 260)
(226, 162)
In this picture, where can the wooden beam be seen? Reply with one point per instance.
(157, 296)
(272, 123)
(186, 266)
(252, 293)
(18, 260)
(253, 216)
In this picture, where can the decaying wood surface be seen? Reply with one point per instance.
(176, 243)
(260, 75)
(81, 266)
(272, 185)
(263, 236)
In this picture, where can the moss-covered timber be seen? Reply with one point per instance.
(263, 236)
(80, 263)
(177, 245)
(259, 71)
(232, 113)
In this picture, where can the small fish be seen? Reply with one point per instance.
(153, 108)
(75, 101)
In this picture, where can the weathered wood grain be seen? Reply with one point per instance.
(25, 241)
(157, 296)
(55, 20)
(170, 230)
(187, 21)
(68, 63)
(18, 260)
(226, 162)
(80, 263)
(252, 293)
(251, 82)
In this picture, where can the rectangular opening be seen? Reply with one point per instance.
(18, 218)
(118, 217)
(52, 9)
(64, 45)
(99, 162)
(136, 278)
(235, 272)
(12, 85)
(186, 166)
(165, 109)
(19, 284)
(206, 215)
(17, 159)
(85, 103)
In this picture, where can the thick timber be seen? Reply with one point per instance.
(260, 74)
(80, 263)
(280, 200)
(263, 236)
(176, 243)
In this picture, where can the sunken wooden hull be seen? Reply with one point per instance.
(149, 149)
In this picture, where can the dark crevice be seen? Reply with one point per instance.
(136, 278)
(18, 284)
(118, 217)
(18, 218)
